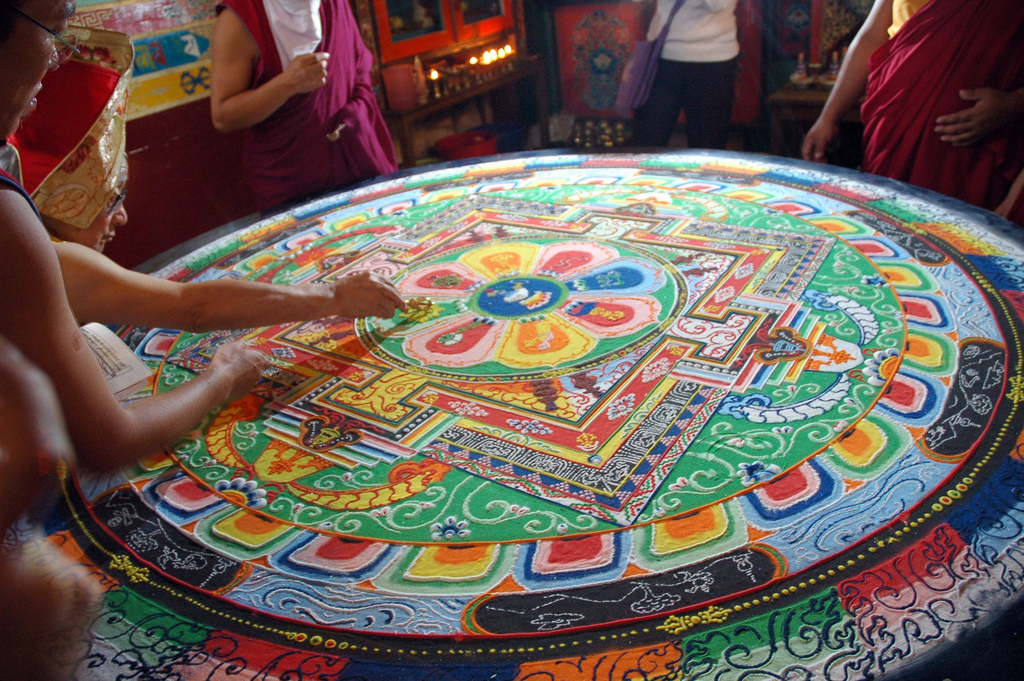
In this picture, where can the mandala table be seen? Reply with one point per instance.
(674, 416)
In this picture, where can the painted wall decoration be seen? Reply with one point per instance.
(791, 28)
(594, 42)
(172, 48)
(672, 416)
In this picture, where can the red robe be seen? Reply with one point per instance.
(288, 156)
(947, 46)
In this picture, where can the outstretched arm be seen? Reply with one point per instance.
(851, 82)
(36, 317)
(234, 104)
(102, 291)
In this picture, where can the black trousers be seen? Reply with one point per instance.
(704, 90)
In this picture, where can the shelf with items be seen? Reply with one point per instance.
(509, 73)
(440, 57)
(465, 71)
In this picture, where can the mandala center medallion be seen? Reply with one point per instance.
(519, 297)
(520, 310)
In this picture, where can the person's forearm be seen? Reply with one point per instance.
(150, 425)
(250, 107)
(234, 304)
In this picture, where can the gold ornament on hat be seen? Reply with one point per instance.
(81, 186)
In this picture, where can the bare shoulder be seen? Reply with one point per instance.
(231, 38)
(26, 251)
(34, 307)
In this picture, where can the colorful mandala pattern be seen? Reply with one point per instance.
(658, 410)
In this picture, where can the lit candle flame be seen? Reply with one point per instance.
(501, 53)
(508, 49)
(434, 75)
(473, 60)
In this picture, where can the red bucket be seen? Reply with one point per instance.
(468, 145)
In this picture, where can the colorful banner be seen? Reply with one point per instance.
(172, 48)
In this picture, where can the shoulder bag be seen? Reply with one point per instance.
(638, 73)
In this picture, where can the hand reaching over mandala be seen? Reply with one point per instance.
(366, 294)
(240, 365)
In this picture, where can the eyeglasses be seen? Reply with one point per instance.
(67, 38)
(116, 201)
(120, 189)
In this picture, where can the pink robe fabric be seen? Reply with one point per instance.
(288, 156)
(947, 46)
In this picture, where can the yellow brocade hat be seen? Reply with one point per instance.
(73, 145)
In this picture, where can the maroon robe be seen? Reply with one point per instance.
(947, 46)
(288, 156)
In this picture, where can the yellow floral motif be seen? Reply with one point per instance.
(1016, 389)
(586, 441)
(429, 398)
(124, 563)
(677, 350)
(419, 315)
(218, 435)
(676, 625)
(386, 399)
(610, 315)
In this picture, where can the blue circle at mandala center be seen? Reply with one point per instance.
(520, 297)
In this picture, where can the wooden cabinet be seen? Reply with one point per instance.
(410, 27)
(451, 39)
(792, 112)
(476, 18)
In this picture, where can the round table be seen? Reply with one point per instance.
(687, 415)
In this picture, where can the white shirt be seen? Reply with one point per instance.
(702, 31)
(296, 27)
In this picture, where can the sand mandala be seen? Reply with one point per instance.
(647, 411)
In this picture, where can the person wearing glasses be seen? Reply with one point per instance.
(72, 159)
(35, 313)
(50, 289)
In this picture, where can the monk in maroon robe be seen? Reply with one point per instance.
(915, 86)
(946, 47)
(312, 122)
